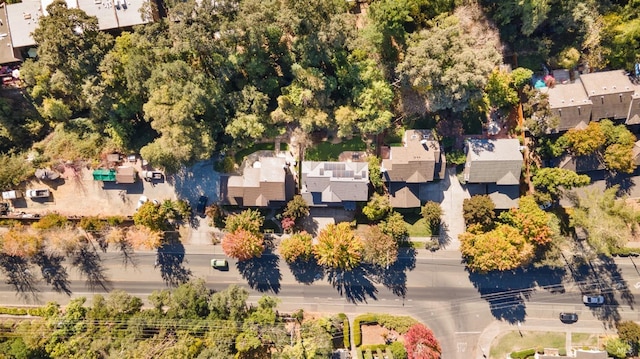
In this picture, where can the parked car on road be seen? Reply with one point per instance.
(37, 193)
(568, 317)
(219, 263)
(592, 299)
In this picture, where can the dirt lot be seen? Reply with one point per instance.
(76, 193)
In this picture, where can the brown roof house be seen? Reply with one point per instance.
(582, 164)
(266, 183)
(493, 167)
(419, 161)
(329, 184)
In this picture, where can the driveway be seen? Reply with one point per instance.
(450, 194)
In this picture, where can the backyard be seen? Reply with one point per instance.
(328, 151)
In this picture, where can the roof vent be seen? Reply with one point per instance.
(604, 88)
(613, 87)
(26, 15)
(423, 142)
(571, 100)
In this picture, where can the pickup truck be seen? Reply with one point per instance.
(151, 175)
(37, 193)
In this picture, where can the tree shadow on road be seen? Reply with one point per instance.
(171, 261)
(601, 276)
(507, 291)
(53, 272)
(20, 277)
(354, 285)
(262, 274)
(306, 272)
(395, 277)
(89, 264)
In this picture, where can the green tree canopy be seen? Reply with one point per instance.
(447, 64)
(478, 209)
(555, 181)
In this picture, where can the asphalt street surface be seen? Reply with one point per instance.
(436, 290)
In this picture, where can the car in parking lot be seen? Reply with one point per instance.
(219, 263)
(593, 299)
(202, 204)
(568, 317)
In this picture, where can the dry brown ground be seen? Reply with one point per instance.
(375, 334)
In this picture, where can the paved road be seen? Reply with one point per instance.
(437, 289)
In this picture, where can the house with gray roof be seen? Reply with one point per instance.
(633, 117)
(595, 96)
(571, 105)
(419, 161)
(23, 18)
(610, 93)
(266, 182)
(329, 184)
(493, 167)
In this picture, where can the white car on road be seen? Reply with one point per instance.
(592, 299)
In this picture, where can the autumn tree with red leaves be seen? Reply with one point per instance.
(421, 343)
(243, 245)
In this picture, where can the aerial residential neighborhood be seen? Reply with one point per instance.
(408, 179)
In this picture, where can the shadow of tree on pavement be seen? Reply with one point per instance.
(354, 285)
(395, 277)
(171, 261)
(601, 276)
(19, 276)
(307, 272)
(262, 274)
(53, 272)
(507, 291)
(89, 264)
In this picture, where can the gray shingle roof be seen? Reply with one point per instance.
(334, 182)
(493, 161)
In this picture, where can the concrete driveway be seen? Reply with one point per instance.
(450, 194)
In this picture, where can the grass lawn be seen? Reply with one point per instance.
(267, 146)
(584, 339)
(512, 341)
(419, 228)
(327, 151)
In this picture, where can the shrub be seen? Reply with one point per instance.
(359, 354)
(92, 224)
(523, 354)
(51, 220)
(115, 220)
(368, 318)
(226, 165)
(562, 352)
(368, 354)
(215, 213)
(398, 351)
(373, 347)
(400, 324)
(346, 337)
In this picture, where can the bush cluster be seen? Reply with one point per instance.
(523, 354)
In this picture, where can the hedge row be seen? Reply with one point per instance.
(345, 330)
(400, 324)
(625, 251)
(38, 312)
(523, 354)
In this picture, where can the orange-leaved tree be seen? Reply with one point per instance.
(338, 247)
(21, 242)
(243, 245)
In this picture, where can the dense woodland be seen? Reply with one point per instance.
(217, 76)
